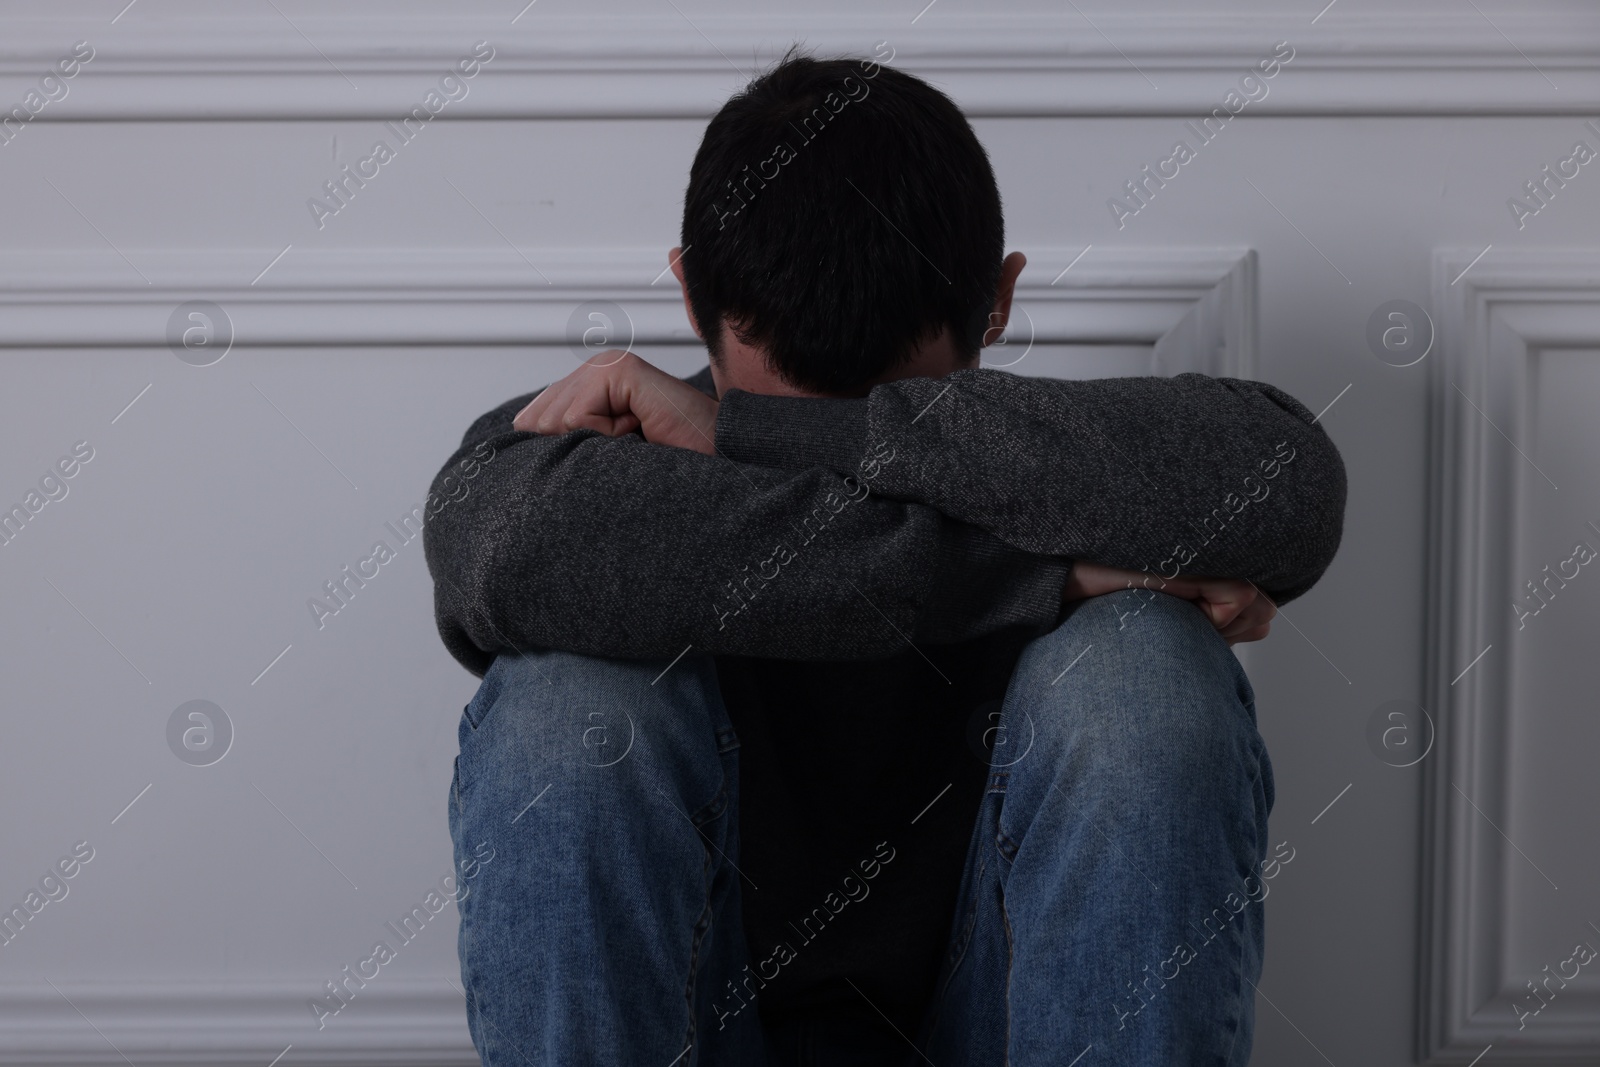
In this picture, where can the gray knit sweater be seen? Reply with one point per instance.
(932, 511)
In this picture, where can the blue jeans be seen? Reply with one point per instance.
(1110, 905)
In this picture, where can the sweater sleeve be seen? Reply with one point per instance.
(618, 547)
(1191, 474)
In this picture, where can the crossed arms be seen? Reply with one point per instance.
(931, 510)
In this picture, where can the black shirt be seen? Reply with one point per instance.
(859, 786)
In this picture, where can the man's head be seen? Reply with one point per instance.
(842, 227)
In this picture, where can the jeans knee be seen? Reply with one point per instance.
(1141, 690)
(602, 734)
(1143, 635)
(1147, 615)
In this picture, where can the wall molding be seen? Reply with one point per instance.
(232, 1024)
(200, 65)
(469, 297)
(1492, 323)
(1196, 306)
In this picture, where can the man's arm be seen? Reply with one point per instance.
(615, 546)
(1190, 474)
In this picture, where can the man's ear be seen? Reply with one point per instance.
(1010, 268)
(675, 261)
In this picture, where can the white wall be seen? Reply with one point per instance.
(178, 565)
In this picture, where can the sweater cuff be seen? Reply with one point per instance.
(981, 584)
(792, 433)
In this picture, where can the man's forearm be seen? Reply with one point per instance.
(618, 547)
(1192, 474)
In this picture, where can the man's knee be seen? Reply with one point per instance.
(1143, 635)
(1148, 615)
(599, 732)
(1139, 684)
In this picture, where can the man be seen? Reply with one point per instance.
(849, 703)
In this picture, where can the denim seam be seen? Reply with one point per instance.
(1236, 1015)
(1006, 847)
(711, 809)
(700, 928)
(969, 924)
(706, 814)
(1238, 1002)
(963, 944)
(1238, 1022)
(1005, 918)
(477, 1014)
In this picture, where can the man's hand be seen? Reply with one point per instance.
(617, 393)
(1236, 608)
